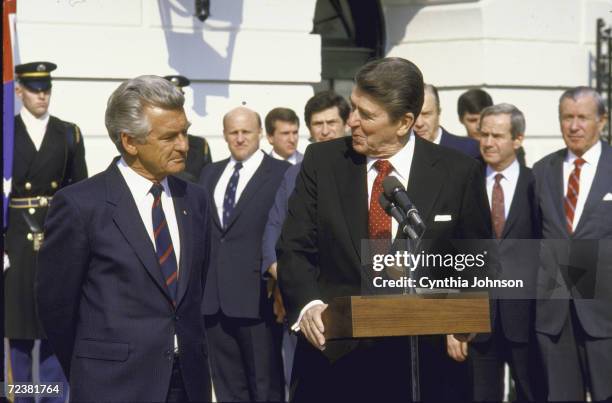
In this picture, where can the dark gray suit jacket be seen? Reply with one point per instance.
(576, 266)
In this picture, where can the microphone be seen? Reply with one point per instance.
(394, 191)
(398, 215)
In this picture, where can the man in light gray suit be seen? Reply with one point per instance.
(574, 309)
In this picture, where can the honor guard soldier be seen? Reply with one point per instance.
(48, 155)
(199, 152)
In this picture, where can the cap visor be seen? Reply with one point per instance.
(37, 85)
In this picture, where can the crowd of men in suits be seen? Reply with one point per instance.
(168, 275)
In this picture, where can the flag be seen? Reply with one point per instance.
(8, 106)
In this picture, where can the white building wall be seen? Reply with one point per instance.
(257, 52)
(525, 52)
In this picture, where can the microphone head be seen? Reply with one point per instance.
(391, 185)
(384, 203)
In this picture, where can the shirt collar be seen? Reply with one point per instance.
(292, 158)
(438, 136)
(511, 173)
(400, 160)
(29, 119)
(591, 156)
(138, 184)
(253, 160)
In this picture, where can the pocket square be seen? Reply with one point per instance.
(608, 197)
(443, 217)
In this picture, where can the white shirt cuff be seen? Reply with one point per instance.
(296, 326)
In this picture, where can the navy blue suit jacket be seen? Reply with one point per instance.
(466, 145)
(276, 217)
(102, 299)
(234, 283)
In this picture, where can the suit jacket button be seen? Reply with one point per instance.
(31, 210)
(28, 186)
(54, 184)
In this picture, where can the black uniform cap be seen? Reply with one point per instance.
(178, 81)
(35, 75)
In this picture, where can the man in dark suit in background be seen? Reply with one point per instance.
(428, 126)
(198, 155)
(573, 315)
(122, 269)
(245, 362)
(282, 125)
(48, 155)
(335, 206)
(511, 192)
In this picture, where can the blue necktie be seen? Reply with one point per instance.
(163, 243)
(230, 194)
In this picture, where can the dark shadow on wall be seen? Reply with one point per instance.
(189, 52)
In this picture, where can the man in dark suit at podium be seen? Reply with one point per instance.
(122, 269)
(335, 206)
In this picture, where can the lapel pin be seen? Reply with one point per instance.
(184, 212)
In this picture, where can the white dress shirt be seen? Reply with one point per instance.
(140, 189)
(292, 158)
(401, 161)
(587, 174)
(438, 136)
(36, 127)
(507, 183)
(249, 166)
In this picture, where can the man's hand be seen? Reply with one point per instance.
(457, 350)
(311, 326)
(278, 306)
(272, 270)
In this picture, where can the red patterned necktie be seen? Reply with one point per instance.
(571, 197)
(379, 223)
(163, 242)
(498, 210)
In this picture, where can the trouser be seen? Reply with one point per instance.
(49, 369)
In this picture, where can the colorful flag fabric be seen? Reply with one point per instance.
(8, 108)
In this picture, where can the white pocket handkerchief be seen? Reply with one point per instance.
(608, 197)
(443, 217)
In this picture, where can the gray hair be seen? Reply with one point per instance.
(578, 92)
(517, 119)
(125, 109)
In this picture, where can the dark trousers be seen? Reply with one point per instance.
(574, 361)
(245, 361)
(373, 371)
(176, 391)
(487, 359)
(49, 367)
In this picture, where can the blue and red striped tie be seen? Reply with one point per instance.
(571, 197)
(163, 243)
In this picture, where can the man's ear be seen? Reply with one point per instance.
(406, 122)
(19, 91)
(129, 144)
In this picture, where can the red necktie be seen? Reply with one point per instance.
(379, 223)
(498, 211)
(571, 197)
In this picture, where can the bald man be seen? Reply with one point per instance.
(245, 362)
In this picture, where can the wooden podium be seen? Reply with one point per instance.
(407, 315)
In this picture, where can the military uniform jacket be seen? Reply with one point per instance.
(59, 162)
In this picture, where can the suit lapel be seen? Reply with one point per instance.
(426, 177)
(513, 213)
(25, 151)
(599, 187)
(214, 180)
(352, 185)
(260, 177)
(127, 219)
(185, 227)
(555, 185)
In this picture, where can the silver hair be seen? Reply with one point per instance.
(517, 119)
(578, 92)
(125, 109)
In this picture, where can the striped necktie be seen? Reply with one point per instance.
(230, 194)
(571, 197)
(498, 208)
(163, 243)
